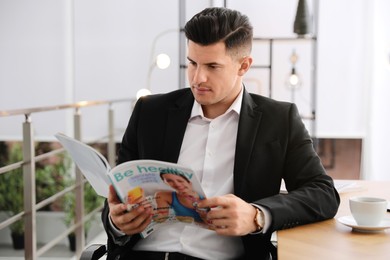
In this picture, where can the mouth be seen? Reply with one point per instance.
(200, 89)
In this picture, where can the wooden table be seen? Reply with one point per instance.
(332, 240)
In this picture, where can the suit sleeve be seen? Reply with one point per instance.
(311, 194)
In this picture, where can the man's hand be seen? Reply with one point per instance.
(129, 222)
(230, 215)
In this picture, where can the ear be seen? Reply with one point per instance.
(245, 65)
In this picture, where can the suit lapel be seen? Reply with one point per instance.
(177, 120)
(250, 117)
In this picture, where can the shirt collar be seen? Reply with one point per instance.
(236, 107)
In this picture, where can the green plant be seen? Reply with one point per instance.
(51, 177)
(11, 189)
(91, 202)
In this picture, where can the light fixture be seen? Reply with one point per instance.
(303, 21)
(293, 80)
(143, 92)
(161, 61)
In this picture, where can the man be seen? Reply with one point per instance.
(240, 145)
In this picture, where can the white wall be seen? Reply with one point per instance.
(377, 140)
(343, 42)
(32, 58)
(55, 52)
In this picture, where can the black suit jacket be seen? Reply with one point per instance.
(272, 144)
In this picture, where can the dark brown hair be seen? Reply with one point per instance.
(217, 24)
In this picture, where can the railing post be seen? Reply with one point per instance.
(182, 44)
(111, 137)
(79, 205)
(30, 235)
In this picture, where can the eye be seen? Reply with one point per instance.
(192, 63)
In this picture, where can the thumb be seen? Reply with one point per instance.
(112, 196)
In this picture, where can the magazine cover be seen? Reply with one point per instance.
(171, 190)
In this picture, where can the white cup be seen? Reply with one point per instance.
(368, 211)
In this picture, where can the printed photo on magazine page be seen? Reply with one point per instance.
(172, 191)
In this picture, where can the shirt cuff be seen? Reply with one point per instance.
(116, 232)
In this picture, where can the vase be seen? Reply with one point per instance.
(72, 242)
(17, 241)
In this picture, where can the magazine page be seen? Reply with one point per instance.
(171, 190)
(92, 164)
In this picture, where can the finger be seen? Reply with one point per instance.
(218, 213)
(116, 207)
(136, 216)
(139, 221)
(220, 227)
(122, 219)
(112, 196)
(213, 202)
(209, 202)
(227, 227)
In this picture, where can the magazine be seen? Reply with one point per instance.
(171, 190)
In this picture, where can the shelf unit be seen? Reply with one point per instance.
(313, 72)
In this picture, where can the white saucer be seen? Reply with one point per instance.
(350, 222)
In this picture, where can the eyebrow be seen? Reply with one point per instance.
(208, 64)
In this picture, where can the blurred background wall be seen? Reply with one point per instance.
(66, 51)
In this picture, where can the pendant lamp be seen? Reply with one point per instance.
(303, 21)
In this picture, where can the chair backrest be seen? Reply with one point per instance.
(94, 252)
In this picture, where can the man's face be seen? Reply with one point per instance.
(215, 77)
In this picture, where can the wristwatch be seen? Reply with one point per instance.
(259, 219)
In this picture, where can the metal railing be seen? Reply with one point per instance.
(28, 215)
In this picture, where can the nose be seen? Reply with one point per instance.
(197, 76)
(176, 185)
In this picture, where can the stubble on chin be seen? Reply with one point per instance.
(203, 98)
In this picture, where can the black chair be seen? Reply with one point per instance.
(93, 252)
